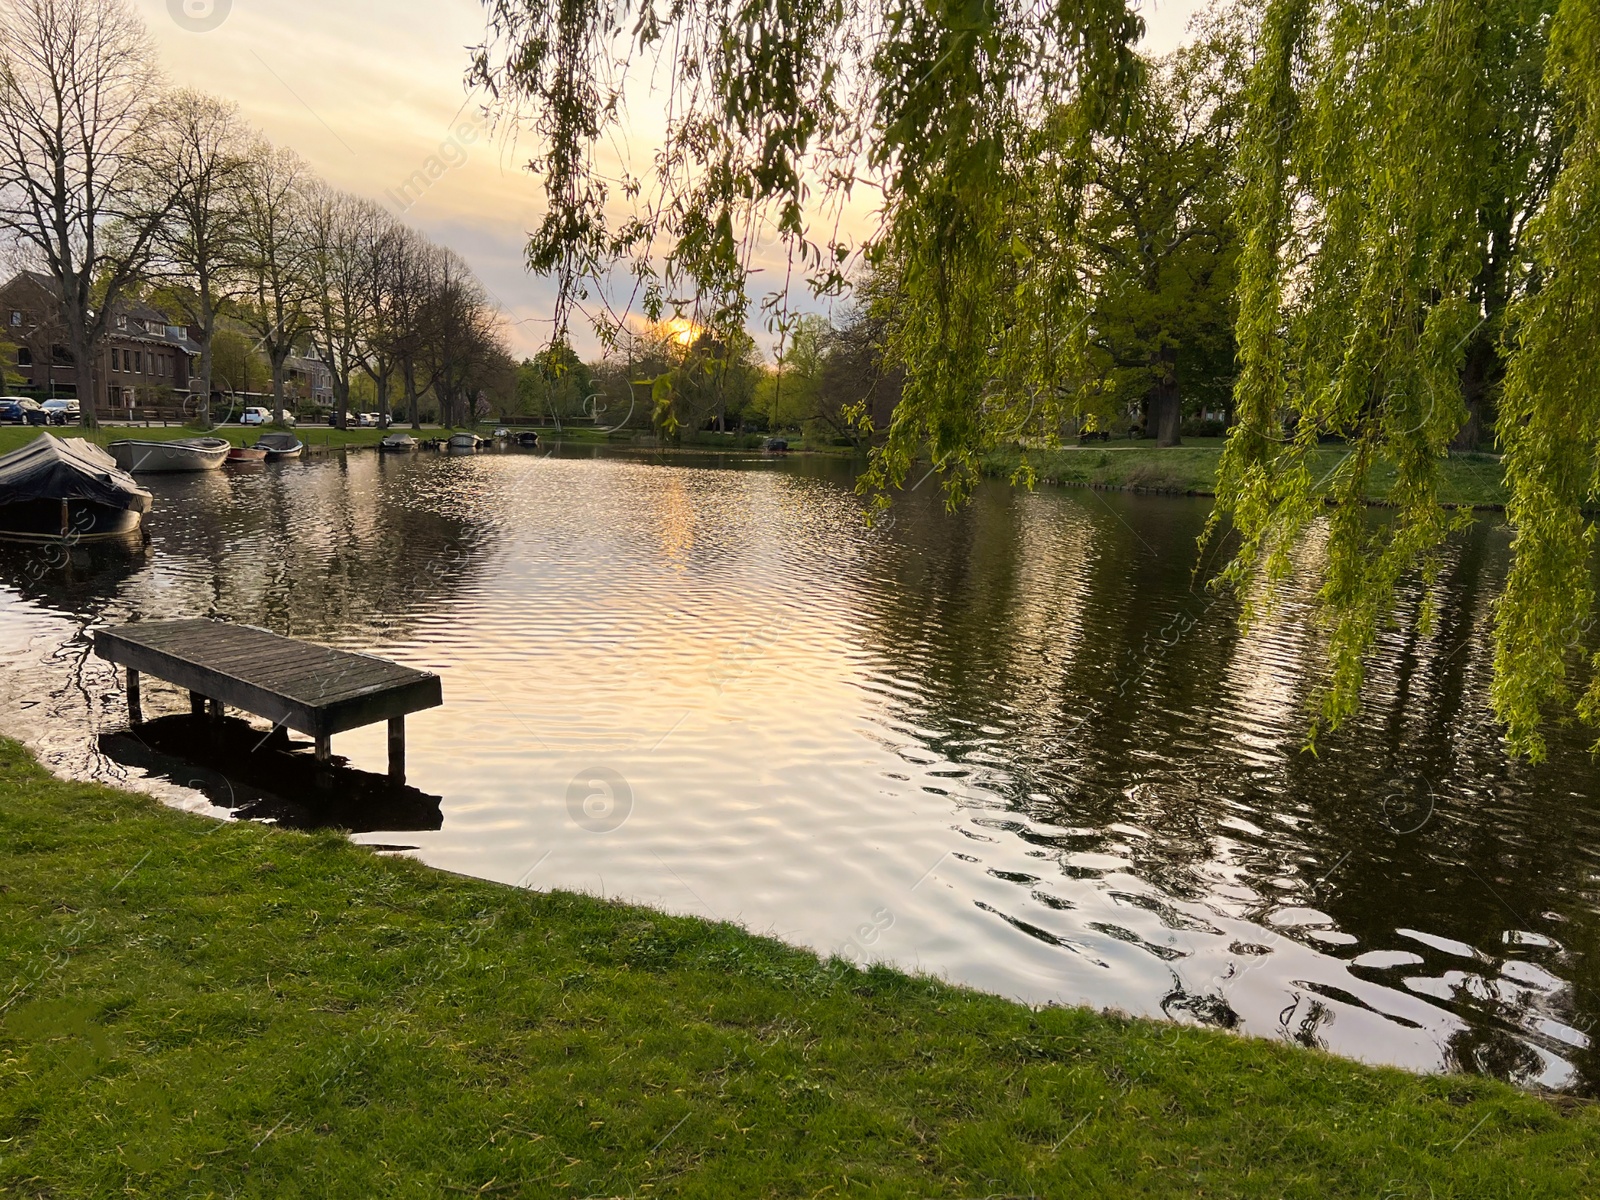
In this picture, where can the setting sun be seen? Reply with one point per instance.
(681, 330)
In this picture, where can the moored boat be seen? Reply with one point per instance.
(184, 454)
(247, 454)
(398, 442)
(528, 439)
(55, 490)
(463, 441)
(280, 446)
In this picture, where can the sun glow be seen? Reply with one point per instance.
(680, 330)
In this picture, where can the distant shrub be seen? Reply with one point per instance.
(1198, 428)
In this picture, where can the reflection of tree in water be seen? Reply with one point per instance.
(327, 550)
(1139, 703)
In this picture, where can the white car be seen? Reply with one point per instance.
(368, 420)
(255, 416)
(62, 410)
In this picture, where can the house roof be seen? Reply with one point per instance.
(132, 309)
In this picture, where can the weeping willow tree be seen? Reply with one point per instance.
(1416, 194)
(1418, 203)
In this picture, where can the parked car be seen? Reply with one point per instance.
(367, 420)
(14, 410)
(255, 416)
(64, 411)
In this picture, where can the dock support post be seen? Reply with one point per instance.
(397, 749)
(197, 704)
(135, 713)
(214, 711)
(324, 747)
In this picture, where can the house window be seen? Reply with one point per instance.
(122, 322)
(138, 361)
(24, 357)
(16, 318)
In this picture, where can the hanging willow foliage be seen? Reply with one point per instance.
(1417, 189)
(964, 115)
(1550, 414)
(1394, 169)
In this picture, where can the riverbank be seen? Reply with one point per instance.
(195, 1009)
(1469, 480)
(316, 437)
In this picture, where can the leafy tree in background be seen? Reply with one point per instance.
(1160, 243)
(554, 383)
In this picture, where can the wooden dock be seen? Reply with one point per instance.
(301, 686)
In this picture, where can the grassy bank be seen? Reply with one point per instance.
(1472, 479)
(190, 1009)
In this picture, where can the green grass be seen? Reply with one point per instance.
(190, 1009)
(1468, 479)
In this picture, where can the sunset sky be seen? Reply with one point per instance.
(366, 90)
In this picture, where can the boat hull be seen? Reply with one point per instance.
(66, 521)
(463, 441)
(150, 457)
(247, 454)
(280, 447)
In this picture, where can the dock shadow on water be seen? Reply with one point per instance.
(1014, 746)
(270, 776)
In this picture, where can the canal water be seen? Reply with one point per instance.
(1014, 747)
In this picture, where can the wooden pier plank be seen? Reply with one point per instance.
(308, 688)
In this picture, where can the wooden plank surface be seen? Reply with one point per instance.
(309, 688)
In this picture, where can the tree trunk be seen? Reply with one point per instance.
(1165, 405)
(381, 382)
(1478, 374)
(82, 346)
(409, 373)
(208, 321)
(277, 385)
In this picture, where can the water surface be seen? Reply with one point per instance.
(1015, 747)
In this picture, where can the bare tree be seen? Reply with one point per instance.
(391, 307)
(344, 232)
(459, 337)
(420, 272)
(200, 250)
(276, 256)
(76, 90)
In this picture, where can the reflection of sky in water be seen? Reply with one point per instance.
(1013, 747)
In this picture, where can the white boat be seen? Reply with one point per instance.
(398, 441)
(185, 454)
(280, 447)
(463, 441)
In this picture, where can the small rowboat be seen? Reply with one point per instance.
(463, 441)
(527, 439)
(280, 446)
(247, 454)
(185, 454)
(398, 442)
(67, 492)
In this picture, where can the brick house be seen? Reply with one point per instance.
(145, 362)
